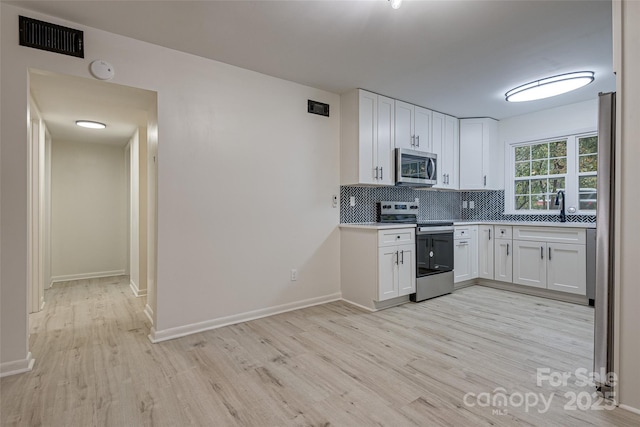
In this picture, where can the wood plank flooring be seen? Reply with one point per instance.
(332, 364)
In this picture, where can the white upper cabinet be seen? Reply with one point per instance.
(479, 168)
(445, 143)
(412, 127)
(367, 139)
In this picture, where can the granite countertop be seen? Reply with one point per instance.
(530, 223)
(386, 226)
(375, 225)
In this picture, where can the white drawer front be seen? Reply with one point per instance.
(461, 233)
(503, 231)
(550, 234)
(398, 236)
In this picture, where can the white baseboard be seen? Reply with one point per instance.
(81, 276)
(630, 409)
(17, 366)
(136, 291)
(537, 292)
(168, 334)
(380, 305)
(149, 312)
(370, 310)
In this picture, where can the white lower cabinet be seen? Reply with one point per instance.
(503, 260)
(396, 271)
(377, 266)
(529, 264)
(544, 263)
(566, 268)
(465, 253)
(486, 236)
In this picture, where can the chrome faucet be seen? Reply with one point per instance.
(559, 196)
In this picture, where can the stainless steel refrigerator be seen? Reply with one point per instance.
(604, 279)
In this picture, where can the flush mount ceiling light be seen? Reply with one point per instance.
(396, 3)
(90, 124)
(551, 86)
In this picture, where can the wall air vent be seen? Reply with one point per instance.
(51, 37)
(315, 107)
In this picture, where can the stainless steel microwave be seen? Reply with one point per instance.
(416, 168)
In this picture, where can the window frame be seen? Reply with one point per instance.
(572, 175)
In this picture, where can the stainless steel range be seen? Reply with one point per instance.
(434, 248)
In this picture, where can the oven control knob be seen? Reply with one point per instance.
(431, 254)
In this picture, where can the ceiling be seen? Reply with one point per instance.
(64, 99)
(457, 57)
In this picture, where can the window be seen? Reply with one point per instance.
(540, 169)
(587, 172)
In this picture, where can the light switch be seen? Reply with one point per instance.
(465, 204)
(472, 204)
(352, 201)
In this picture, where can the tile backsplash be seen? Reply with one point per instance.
(437, 205)
(433, 204)
(489, 206)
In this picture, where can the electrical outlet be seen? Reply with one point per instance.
(294, 274)
(334, 201)
(352, 201)
(472, 204)
(465, 204)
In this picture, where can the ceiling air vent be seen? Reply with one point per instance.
(51, 37)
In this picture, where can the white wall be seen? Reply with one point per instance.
(137, 206)
(558, 121)
(89, 215)
(133, 150)
(628, 204)
(142, 211)
(245, 178)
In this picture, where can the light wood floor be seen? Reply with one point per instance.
(326, 365)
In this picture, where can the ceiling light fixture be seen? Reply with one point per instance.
(90, 124)
(396, 3)
(551, 86)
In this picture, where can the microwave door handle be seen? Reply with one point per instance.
(432, 175)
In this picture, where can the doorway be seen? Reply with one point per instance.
(93, 191)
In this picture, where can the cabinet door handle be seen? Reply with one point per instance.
(463, 243)
(396, 257)
(376, 172)
(418, 140)
(413, 140)
(549, 253)
(489, 234)
(485, 180)
(541, 252)
(402, 259)
(507, 249)
(448, 179)
(381, 173)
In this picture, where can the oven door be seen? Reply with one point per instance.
(434, 253)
